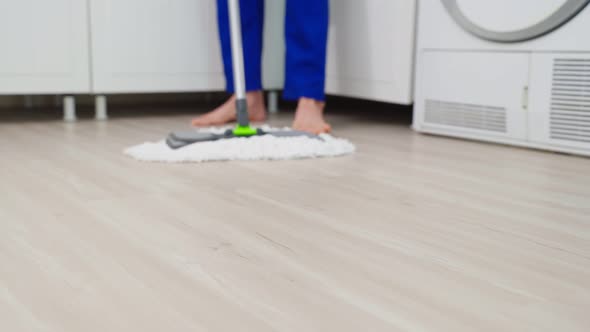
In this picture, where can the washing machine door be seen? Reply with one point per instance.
(510, 21)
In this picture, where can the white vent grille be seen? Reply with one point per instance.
(482, 117)
(570, 100)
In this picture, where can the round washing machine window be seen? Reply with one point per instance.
(510, 21)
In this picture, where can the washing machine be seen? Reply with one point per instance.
(507, 71)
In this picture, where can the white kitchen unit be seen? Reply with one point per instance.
(44, 47)
(102, 47)
(371, 49)
(507, 71)
(141, 46)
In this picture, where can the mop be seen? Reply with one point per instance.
(243, 142)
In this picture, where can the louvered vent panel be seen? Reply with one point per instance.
(471, 116)
(570, 100)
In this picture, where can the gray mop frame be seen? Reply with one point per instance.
(237, 51)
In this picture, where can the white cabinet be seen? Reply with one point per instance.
(44, 47)
(371, 49)
(155, 46)
(141, 46)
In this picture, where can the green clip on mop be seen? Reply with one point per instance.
(243, 129)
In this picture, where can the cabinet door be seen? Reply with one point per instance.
(559, 110)
(155, 46)
(473, 94)
(371, 49)
(44, 47)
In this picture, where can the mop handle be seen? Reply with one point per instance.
(237, 52)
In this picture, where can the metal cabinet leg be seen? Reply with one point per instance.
(57, 101)
(273, 102)
(69, 107)
(100, 107)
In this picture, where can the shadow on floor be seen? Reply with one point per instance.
(346, 110)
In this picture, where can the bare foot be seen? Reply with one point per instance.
(310, 117)
(227, 112)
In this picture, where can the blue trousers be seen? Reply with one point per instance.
(306, 34)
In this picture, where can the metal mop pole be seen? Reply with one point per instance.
(243, 128)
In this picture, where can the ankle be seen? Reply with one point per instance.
(255, 98)
(310, 105)
(254, 95)
(310, 101)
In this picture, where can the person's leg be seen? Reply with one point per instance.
(306, 34)
(252, 18)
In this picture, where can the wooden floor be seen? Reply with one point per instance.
(412, 233)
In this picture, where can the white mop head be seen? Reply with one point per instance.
(266, 147)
